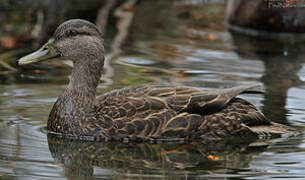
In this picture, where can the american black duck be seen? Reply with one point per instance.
(142, 112)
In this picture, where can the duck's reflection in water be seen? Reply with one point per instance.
(83, 160)
(283, 59)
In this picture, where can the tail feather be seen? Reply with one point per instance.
(273, 128)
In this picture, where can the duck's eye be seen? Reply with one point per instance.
(71, 32)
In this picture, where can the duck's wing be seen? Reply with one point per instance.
(208, 102)
(224, 114)
(163, 112)
(129, 101)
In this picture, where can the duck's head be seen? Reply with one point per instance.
(77, 40)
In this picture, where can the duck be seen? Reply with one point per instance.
(147, 112)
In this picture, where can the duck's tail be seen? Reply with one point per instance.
(271, 129)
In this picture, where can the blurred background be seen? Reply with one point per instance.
(207, 44)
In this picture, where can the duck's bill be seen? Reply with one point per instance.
(47, 51)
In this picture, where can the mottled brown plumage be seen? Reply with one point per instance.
(144, 112)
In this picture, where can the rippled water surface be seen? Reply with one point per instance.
(170, 48)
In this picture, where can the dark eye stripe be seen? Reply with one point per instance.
(75, 33)
(72, 34)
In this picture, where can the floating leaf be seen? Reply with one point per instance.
(213, 158)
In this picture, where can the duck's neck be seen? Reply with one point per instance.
(84, 80)
(74, 107)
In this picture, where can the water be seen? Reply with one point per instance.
(166, 50)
